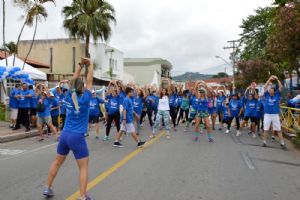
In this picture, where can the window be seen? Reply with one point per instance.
(74, 58)
(51, 58)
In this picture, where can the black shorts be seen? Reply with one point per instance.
(94, 119)
(32, 111)
(55, 121)
(252, 119)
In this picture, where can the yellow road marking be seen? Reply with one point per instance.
(115, 167)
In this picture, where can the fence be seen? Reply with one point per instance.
(290, 120)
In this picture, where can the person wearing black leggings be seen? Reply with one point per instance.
(113, 110)
(172, 104)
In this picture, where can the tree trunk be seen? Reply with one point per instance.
(19, 37)
(3, 1)
(35, 28)
(87, 45)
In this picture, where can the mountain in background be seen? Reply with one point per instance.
(192, 76)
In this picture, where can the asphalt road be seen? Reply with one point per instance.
(177, 169)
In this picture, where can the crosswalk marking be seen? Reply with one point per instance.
(10, 152)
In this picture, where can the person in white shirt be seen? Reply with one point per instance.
(162, 113)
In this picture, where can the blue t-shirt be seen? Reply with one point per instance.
(63, 108)
(235, 107)
(47, 105)
(54, 103)
(152, 101)
(271, 103)
(250, 110)
(122, 96)
(220, 102)
(113, 105)
(202, 105)
(185, 104)
(138, 105)
(33, 100)
(179, 100)
(194, 103)
(128, 106)
(226, 113)
(13, 102)
(172, 100)
(259, 109)
(24, 102)
(94, 106)
(77, 121)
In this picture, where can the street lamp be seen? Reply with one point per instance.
(233, 81)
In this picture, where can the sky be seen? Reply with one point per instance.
(190, 33)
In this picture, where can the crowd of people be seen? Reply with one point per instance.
(75, 108)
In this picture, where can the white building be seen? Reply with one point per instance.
(148, 70)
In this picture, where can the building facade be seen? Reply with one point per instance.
(63, 56)
(147, 70)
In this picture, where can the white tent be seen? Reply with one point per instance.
(34, 73)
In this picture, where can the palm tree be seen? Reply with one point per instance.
(35, 12)
(3, 26)
(10, 47)
(89, 18)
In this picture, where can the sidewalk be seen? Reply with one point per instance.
(8, 135)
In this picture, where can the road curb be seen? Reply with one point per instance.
(18, 136)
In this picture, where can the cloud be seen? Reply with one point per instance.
(188, 33)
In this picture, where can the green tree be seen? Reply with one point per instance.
(284, 38)
(255, 33)
(221, 75)
(10, 47)
(34, 12)
(89, 18)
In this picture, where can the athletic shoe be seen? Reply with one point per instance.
(86, 134)
(264, 145)
(11, 126)
(97, 137)
(15, 128)
(40, 139)
(117, 144)
(27, 130)
(175, 129)
(210, 140)
(196, 139)
(168, 137)
(250, 133)
(227, 131)
(106, 138)
(273, 139)
(253, 135)
(48, 192)
(238, 133)
(85, 198)
(201, 132)
(220, 129)
(283, 146)
(141, 143)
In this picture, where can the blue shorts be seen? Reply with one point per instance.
(211, 111)
(74, 142)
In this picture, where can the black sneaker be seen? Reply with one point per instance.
(16, 128)
(27, 130)
(283, 146)
(117, 144)
(264, 145)
(141, 143)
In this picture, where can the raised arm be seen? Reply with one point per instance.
(279, 83)
(267, 83)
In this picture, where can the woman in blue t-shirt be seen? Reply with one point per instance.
(94, 115)
(138, 105)
(76, 125)
(220, 101)
(202, 112)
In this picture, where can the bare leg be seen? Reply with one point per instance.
(53, 129)
(135, 137)
(40, 130)
(59, 160)
(83, 175)
(97, 129)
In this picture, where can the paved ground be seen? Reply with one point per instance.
(177, 169)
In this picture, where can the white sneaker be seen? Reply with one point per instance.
(253, 135)
(238, 133)
(227, 131)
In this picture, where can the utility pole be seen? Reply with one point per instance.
(234, 47)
